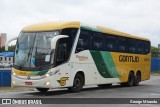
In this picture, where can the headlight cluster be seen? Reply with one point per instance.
(47, 74)
(13, 73)
(51, 72)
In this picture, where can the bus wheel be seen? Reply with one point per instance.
(77, 84)
(137, 79)
(42, 90)
(104, 85)
(130, 80)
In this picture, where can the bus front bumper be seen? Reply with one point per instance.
(47, 82)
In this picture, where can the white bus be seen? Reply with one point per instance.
(72, 54)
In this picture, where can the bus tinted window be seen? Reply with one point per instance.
(107, 42)
(140, 47)
(122, 44)
(83, 41)
(131, 45)
(65, 45)
(110, 43)
(97, 42)
(147, 47)
(71, 32)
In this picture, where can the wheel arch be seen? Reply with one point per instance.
(81, 73)
(131, 71)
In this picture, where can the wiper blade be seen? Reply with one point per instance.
(24, 60)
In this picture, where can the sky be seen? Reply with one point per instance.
(136, 17)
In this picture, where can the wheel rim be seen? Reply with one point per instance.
(77, 82)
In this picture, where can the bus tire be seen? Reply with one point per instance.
(104, 85)
(42, 90)
(77, 84)
(130, 81)
(137, 79)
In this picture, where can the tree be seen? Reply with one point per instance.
(2, 49)
(10, 48)
(155, 52)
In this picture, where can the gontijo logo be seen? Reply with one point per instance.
(63, 80)
(126, 58)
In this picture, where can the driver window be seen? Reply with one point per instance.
(61, 52)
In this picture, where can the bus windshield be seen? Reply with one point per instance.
(33, 50)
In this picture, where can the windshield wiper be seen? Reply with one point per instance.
(26, 57)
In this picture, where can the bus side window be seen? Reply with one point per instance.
(122, 44)
(121, 48)
(81, 44)
(147, 47)
(71, 32)
(83, 41)
(132, 45)
(62, 54)
(110, 43)
(109, 46)
(140, 47)
(97, 41)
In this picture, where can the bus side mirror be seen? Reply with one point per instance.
(6, 44)
(55, 39)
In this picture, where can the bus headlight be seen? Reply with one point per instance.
(13, 73)
(47, 75)
(51, 72)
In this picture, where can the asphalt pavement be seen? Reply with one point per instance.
(146, 89)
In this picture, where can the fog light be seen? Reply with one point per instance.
(13, 82)
(47, 83)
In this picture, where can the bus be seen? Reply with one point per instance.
(72, 55)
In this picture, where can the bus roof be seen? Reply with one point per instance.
(48, 26)
(118, 33)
